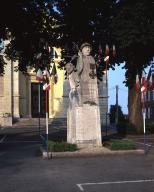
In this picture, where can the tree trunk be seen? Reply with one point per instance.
(135, 109)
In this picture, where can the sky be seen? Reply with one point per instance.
(116, 77)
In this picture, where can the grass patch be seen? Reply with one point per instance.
(62, 146)
(116, 144)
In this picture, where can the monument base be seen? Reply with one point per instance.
(83, 126)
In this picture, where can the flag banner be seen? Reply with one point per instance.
(151, 83)
(151, 77)
(46, 86)
(137, 82)
(151, 71)
(106, 58)
(100, 52)
(46, 81)
(46, 74)
(143, 79)
(107, 50)
(39, 75)
(38, 56)
(143, 82)
(114, 51)
(54, 74)
(143, 88)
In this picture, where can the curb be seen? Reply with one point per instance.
(88, 153)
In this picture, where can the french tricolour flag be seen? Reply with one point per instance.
(46, 82)
(39, 75)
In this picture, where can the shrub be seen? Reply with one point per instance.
(61, 146)
(124, 128)
(121, 145)
(149, 128)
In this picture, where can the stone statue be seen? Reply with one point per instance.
(83, 116)
(82, 78)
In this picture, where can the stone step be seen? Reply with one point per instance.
(35, 121)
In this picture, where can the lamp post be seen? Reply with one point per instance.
(39, 77)
(46, 88)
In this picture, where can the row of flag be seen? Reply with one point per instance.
(44, 77)
(145, 83)
(107, 56)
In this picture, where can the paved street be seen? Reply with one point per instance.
(22, 169)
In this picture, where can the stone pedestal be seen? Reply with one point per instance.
(84, 126)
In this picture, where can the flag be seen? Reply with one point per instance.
(100, 50)
(54, 74)
(38, 56)
(100, 53)
(151, 71)
(114, 51)
(39, 75)
(46, 74)
(46, 80)
(46, 86)
(143, 83)
(143, 90)
(106, 59)
(107, 50)
(150, 83)
(137, 82)
(150, 78)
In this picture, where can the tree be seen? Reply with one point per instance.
(132, 29)
(31, 27)
(128, 24)
(35, 25)
(83, 21)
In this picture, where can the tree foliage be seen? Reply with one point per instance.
(132, 28)
(31, 27)
(35, 25)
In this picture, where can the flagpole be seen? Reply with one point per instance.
(144, 113)
(39, 91)
(47, 128)
(145, 151)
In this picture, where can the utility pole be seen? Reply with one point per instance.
(116, 114)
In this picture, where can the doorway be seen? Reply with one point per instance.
(35, 100)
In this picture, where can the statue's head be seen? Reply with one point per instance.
(86, 48)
